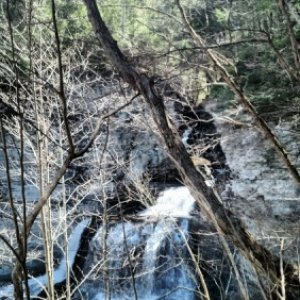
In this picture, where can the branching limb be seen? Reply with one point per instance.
(99, 124)
(11, 248)
(230, 44)
(70, 157)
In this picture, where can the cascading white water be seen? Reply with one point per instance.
(37, 284)
(174, 202)
(147, 259)
(158, 254)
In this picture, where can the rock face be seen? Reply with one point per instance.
(261, 191)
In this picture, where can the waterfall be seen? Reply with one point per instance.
(158, 254)
(148, 257)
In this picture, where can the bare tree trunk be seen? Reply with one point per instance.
(46, 210)
(210, 204)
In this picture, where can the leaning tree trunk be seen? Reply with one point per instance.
(228, 223)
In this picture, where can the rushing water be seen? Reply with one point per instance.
(155, 250)
(144, 260)
(37, 284)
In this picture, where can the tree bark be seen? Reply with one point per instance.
(209, 202)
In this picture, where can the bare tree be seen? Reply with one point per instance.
(48, 137)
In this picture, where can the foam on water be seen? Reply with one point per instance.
(174, 202)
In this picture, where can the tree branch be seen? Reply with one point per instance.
(233, 43)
